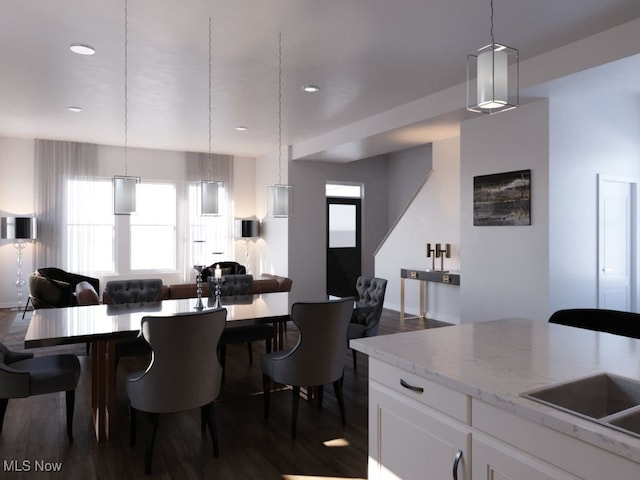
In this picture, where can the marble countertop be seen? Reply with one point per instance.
(497, 361)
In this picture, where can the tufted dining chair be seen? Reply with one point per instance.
(317, 359)
(235, 287)
(365, 319)
(133, 291)
(23, 375)
(183, 374)
(119, 292)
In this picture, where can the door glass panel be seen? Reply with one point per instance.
(342, 226)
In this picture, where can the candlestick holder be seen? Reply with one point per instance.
(217, 291)
(199, 305)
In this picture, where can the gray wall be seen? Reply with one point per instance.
(407, 172)
(504, 270)
(598, 134)
(307, 226)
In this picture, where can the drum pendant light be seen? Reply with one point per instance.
(280, 196)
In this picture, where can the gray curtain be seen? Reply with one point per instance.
(55, 163)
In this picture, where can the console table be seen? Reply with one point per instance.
(424, 276)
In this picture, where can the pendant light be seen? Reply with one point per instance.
(124, 187)
(492, 77)
(210, 190)
(280, 196)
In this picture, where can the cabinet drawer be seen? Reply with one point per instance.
(567, 453)
(427, 392)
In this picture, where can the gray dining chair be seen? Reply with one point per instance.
(365, 319)
(23, 375)
(184, 372)
(317, 359)
(120, 292)
(235, 287)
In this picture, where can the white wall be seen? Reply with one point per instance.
(433, 216)
(504, 270)
(307, 227)
(407, 171)
(590, 134)
(272, 249)
(16, 198)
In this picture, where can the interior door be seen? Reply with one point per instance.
(344, 249)
(616, 240)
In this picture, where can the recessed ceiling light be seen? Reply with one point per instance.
(81, 49)
(311, 88)
(240, 128)
(74, 109)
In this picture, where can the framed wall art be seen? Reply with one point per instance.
(502, 199)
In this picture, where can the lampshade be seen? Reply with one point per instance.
(210, 198)
(18, 228)
(247, 228)
(124, 195)
(280, 200)
(492, 79)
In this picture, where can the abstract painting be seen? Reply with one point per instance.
(502, 199)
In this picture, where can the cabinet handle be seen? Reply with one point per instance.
(456, 464)
(413, 388)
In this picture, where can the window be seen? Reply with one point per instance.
(213, 231)
(90, 229)
(153, 228)
(343, 190)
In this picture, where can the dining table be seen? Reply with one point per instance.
(102, 325)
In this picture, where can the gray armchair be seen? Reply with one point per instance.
(365, 319)
(318, 357)
(184, 373)
(22, 375)
(51, 287)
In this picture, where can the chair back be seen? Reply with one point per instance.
(601, 320)
(13, 383)
(233, 285)
(133, 291)
(318, 357)
(228, 268)
(184, 372)
(371, 292)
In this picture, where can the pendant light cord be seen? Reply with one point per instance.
(126, 45)
(492, 39)
(280, 109)
(210, 135)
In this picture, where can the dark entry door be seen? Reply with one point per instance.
(344, 245)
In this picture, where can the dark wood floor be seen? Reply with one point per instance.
(250, 446)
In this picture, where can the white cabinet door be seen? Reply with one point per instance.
(493, 460)
(408, 440)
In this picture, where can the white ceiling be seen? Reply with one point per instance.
(368, 56)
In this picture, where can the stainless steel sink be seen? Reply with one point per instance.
(607, 399)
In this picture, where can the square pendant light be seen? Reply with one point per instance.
(124, 195)
(210, 203)
(280, 199)
(492, 79)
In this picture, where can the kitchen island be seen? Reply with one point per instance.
(450, 399)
